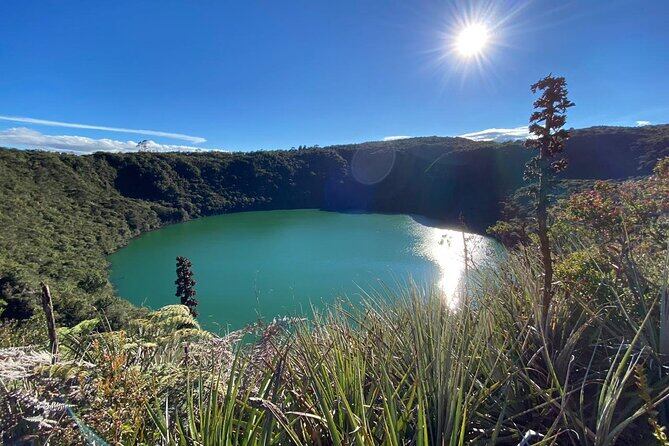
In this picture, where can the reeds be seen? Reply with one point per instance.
(410, 369)
(403, 367)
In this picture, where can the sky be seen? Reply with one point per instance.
(255, 74)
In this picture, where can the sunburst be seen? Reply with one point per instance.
(472, 40)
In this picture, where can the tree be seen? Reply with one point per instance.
(546, 125)
(143, 145)
(185, 284)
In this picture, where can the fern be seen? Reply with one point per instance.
(659, 432)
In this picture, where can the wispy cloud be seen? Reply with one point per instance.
(499, 135)
(25, 137)
(395, 138)
(25, 120)
(642, 123)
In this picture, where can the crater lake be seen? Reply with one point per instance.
(268, 264)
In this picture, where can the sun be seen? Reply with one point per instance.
(472, 40)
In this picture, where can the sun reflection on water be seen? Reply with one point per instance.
(446, 249)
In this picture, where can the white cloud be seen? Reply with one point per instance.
(642, 123)
(189, 138)
(395, 138)
(25, 137)
(499, 135)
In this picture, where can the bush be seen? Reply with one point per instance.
(92, 283)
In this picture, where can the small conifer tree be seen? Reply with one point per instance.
(186, 285)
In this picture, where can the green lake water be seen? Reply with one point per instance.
(275, 263)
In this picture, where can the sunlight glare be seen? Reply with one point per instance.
(472, 39)
(445, 247)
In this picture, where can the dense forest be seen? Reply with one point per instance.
(61, 214)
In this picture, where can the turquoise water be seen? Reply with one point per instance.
(266, 264)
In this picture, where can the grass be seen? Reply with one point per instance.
(402, 369)
(414, 370)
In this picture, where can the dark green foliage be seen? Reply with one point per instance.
(186, 285)
(16, 307)
(92, 283)
(16, 300)
(59, 219)
(517, 222)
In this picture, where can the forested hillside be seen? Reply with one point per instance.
(61, 214)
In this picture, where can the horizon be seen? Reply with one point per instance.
(493, 136)
(252, 77)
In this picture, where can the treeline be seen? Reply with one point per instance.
(442, 178)
(61, 214)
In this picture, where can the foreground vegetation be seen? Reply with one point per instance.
(403, 369)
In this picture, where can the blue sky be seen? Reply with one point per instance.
(274, 74)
